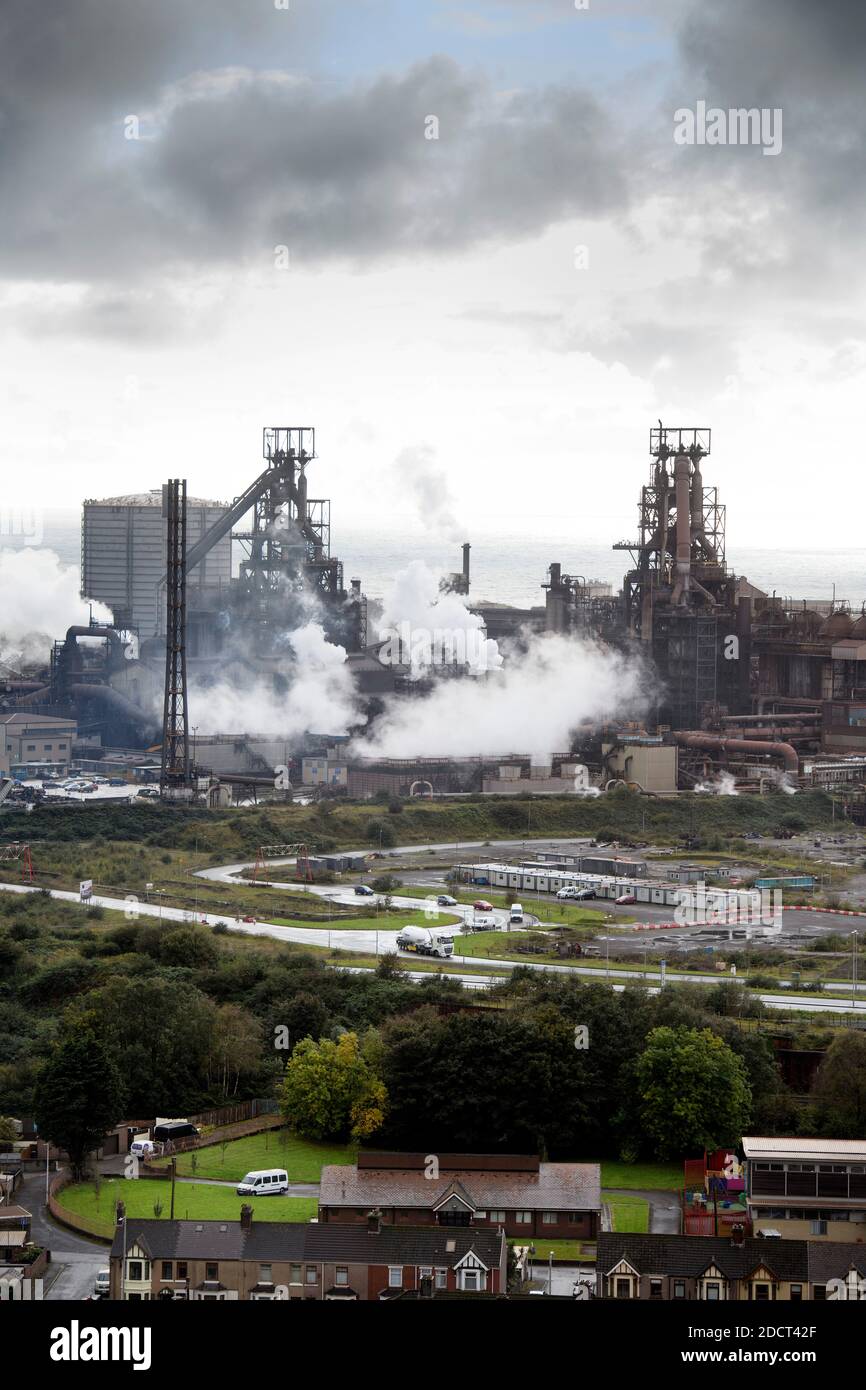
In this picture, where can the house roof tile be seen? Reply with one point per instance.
(556, 1186)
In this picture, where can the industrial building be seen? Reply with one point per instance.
(123, 558)
(35, 745)
(762, 688)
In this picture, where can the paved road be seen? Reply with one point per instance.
(382, 941)
(664, 1208)
(75, 1260)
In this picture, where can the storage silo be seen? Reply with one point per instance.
(123, 556)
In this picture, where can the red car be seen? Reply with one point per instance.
(625, 899)
(482, 905)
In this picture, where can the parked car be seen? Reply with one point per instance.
(264, 1182)
(567, 893)
(482, 905)
(516, 913)
(625, 899)
(363, 890)
(102, 1283)
(445, 900)
(144, 1148)
(584, 894)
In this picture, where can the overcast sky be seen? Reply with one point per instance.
(498, 314)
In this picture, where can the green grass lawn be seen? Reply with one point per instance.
(383, 921)
(275, 1148)
(640, 1176)
(192, 1201)
(628, 1213)
(562, 1249)
(500, 945)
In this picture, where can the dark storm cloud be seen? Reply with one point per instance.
(233, 160)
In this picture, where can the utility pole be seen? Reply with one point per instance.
(173, 1176)
(175, 779)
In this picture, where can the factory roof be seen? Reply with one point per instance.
(21, 717)
(153, 498)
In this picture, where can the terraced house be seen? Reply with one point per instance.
(247, 1260)
(716, 1269)
(515, 1193)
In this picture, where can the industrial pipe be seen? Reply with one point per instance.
(721, 744)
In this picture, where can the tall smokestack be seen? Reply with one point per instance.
(682, 477)
(466, 549)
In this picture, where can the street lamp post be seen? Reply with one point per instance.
(854, 937)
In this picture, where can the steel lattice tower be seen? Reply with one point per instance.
(175, 780)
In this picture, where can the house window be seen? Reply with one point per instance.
(497, 1216)
(819, 1228)
(796, 1293)
(712, 1293)
(395, 1276)
(481, 1216)
(523, 1218)
(166, 1269)
(762, 1293)
(265, 1274)
(819, 1293)
(211, 1273)
(294, 1274)
(342, 1276)
(679, 1288)
(623, 1288)
(655, 1288)
(470, 1280)
(574, 1217)
(181, 1269)
(135, 1271)
(549, 1218)
(311, 1274)
(442, 1278)
(426, 1272)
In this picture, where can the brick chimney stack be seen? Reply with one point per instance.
(246, 1217)
(374, 1221)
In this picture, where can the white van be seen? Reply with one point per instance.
(516, 914)
(264, 1182)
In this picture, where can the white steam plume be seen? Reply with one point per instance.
(41, 600)
(725, 785)
(531, 706)
(425, 627)
(425, 483)
(320, 695)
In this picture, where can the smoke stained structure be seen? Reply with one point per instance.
(46, 602)
(424, 626)
(310, 689)
(531, 705)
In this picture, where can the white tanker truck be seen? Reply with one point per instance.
(425, 942)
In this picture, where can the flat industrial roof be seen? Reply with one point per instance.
(840, 1150)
